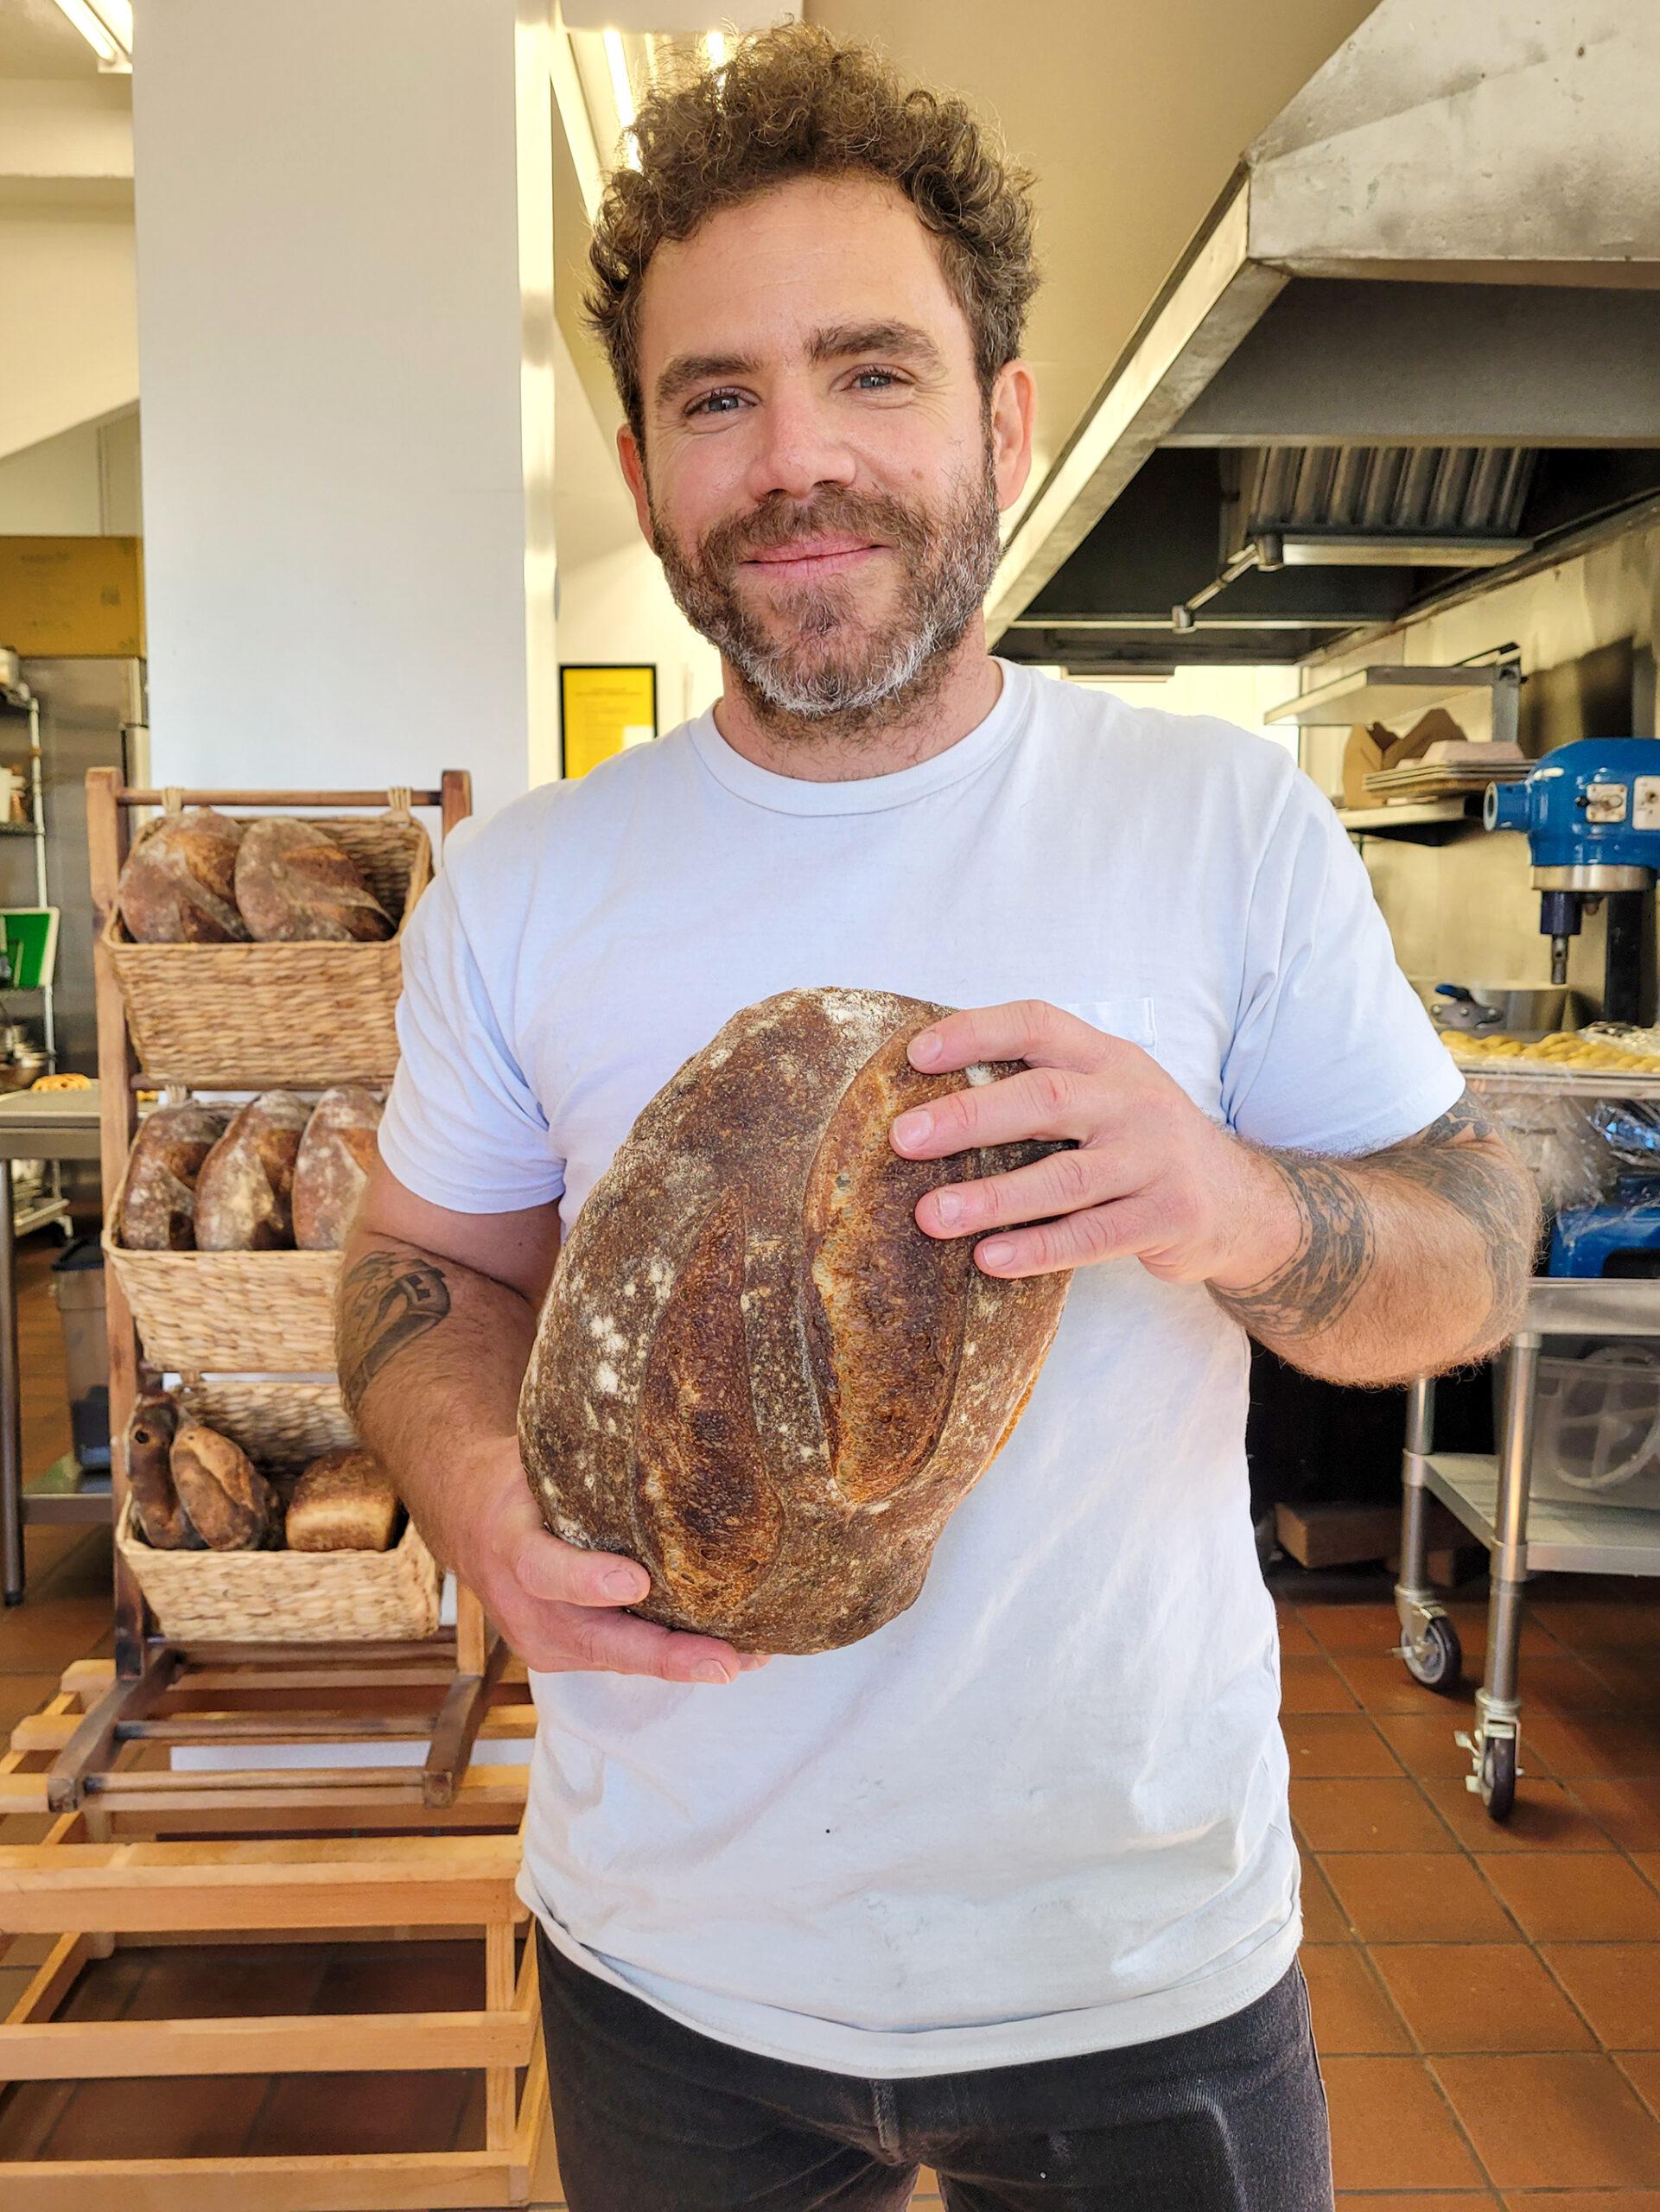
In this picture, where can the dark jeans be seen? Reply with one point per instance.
(649, 2117)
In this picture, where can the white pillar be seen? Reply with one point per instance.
(345, 281)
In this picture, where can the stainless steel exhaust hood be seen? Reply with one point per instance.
(1420, 334)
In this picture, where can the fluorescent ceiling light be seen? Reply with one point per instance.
(107, 29)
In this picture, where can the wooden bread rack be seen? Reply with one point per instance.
(139, 1852)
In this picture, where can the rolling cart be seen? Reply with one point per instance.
(1490, 1496)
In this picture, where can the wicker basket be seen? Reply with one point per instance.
(253, 1016)
(265, 1312)
(287, 1596)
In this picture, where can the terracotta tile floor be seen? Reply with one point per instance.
(1488, 2001)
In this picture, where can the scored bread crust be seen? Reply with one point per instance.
(752, 1372)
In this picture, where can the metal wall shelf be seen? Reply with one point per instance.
(1424, 822)
(1383, 693)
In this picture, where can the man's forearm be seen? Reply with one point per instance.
(431, 1358)
(1413, 1260)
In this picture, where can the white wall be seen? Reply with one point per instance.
(1235, 695)
(331, 331)
(82, 483)
(613, 604)
(69, 349)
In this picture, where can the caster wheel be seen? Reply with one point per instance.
(1436, 1659)
(1498, 1776)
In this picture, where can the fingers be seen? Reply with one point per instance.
(1038, 1102)
(562, 1573)
(1122, 1230)
(1061, 1184)
(615, 1643)
(1023, 1029)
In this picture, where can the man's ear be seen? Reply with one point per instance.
(1014, 413)
(633, 474)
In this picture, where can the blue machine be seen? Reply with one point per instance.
(1592, 815)
(1625, 1230)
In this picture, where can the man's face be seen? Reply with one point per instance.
(823, 474)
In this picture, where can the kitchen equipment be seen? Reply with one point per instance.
(1591, 814)
(1519, 1009)
(1615, 1237)
(17, 1072)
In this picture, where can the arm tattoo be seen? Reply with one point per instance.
(1333, 1257)
(1458, 1158)
(1461, 1159)
(386, 1301)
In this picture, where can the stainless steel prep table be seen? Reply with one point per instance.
(34, 1125)
(1490, 1496)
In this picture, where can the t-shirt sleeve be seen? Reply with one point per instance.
(1331, 1050)
(463, 1127)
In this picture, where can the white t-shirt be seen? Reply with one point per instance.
(1044, 1811)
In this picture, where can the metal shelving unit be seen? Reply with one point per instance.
(48, 1204)
(1490, 1496)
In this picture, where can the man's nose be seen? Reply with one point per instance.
(800, 447)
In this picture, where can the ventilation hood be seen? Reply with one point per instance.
(1416, 345)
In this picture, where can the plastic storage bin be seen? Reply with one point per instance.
(78, 1292)
(1596, 1435)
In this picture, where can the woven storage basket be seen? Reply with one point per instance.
(265, 1312)
(252, 1016)
(284, 1597)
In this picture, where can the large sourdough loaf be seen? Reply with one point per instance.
(244, 1190)
(337, 1156)
(158, 1205)
(753, 1373)
(296, 885)
(178, 884)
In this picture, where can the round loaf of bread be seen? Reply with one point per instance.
(158, 1202)
(178, 884)
(753, 1373)
(336, 1155)
(244, 1190)
(295, 883)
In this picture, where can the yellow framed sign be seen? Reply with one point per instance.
(72, 595)
(603, 707)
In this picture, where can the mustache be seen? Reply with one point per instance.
(780, 520)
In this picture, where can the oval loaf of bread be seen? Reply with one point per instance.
(336, 1154)
(295, 883)
(158, 1203)
(753, 1373)
(178, 884)
(228, 1501)
(244, 1190)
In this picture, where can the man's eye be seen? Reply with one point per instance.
(716, 402)
(876, 379)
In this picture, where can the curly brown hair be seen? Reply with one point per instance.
(792, 102)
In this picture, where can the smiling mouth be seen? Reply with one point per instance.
(808, 560)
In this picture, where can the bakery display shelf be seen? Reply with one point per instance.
(356, 1682)
(341, 1789)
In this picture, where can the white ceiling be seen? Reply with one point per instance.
(38, 40)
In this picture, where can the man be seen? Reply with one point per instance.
(1008, 1888)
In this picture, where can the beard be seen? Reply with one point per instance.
(809, 665)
